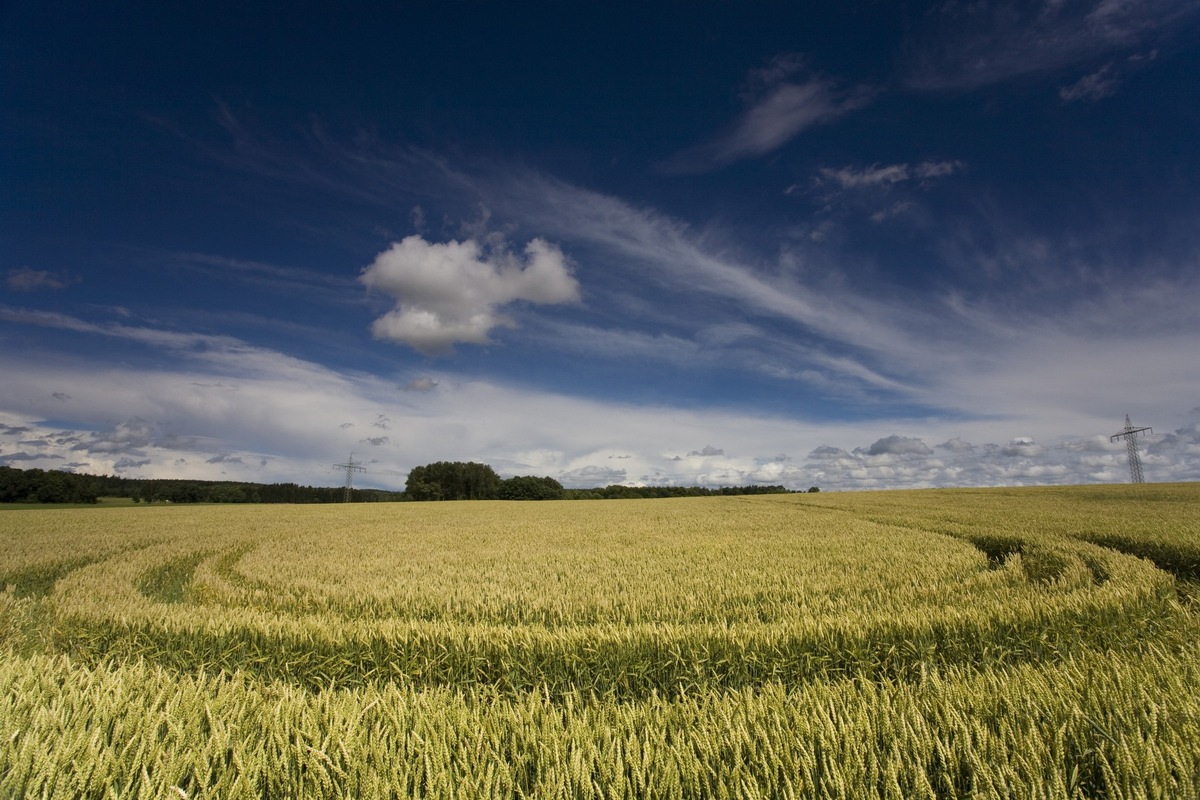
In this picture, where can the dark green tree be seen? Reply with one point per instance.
(527, 487)
(45, 486)
(453, 480)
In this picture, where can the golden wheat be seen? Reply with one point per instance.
(917, 644)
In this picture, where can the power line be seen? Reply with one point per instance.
(1129, 434)
(351, 467)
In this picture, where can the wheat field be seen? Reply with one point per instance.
(943, 643)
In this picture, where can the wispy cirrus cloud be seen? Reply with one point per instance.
(329, 287)
(664, 251)
(1026, 341)
(24, 279)
(952, 352)
(886, 175)
(965, 46)
(878, 192)
(1094, 86)
(782, 100)
(227, 353)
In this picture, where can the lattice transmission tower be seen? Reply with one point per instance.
(351, 467)
(1129, 434)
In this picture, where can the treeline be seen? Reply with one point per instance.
(443, 480)
(458, 480)
(146, 490)
(41, 486)
(49, 486)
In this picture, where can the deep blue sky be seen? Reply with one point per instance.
(857, 246)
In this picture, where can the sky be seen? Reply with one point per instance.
(852, 245)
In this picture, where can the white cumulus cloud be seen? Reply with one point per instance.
(452, 292)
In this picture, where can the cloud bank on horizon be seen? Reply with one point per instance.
(957, 257)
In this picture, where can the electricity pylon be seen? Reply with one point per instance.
(1129, 434)
(350, 468)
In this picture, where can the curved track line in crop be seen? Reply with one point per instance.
(38, 580)
(169, 583)
(190, 605)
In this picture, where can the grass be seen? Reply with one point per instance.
(101, 502)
